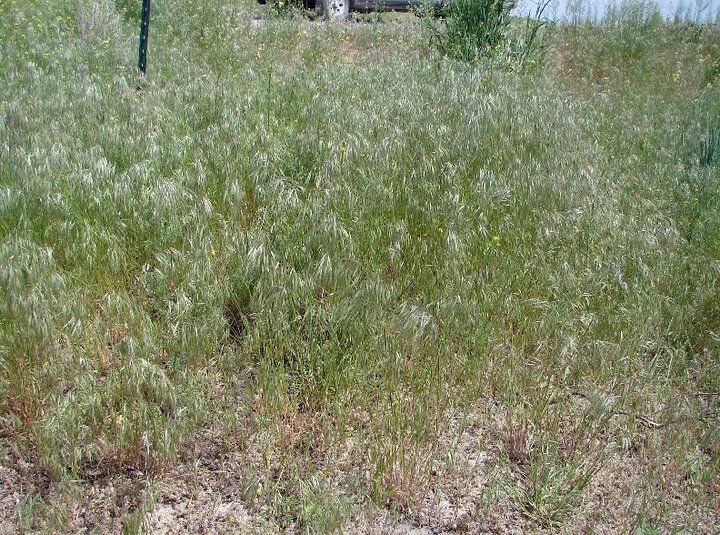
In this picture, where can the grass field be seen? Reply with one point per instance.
(317, 278)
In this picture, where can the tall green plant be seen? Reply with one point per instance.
(708, 148)
(473, 29)
(528, 48)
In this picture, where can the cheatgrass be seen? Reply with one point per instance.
(381, 279)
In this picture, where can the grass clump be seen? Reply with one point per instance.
(706, 143)
(709, 146)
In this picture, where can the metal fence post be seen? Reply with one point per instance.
(144, 27)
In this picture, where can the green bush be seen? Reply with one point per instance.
(712, 73)
(473, 29)
(287, 8)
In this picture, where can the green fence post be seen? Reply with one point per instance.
(144, 27)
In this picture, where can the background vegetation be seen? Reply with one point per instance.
(345, 282)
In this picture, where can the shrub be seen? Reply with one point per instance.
(712, 73)
(473, 29)
(287, 8)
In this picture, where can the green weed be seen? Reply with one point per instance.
(473, 29)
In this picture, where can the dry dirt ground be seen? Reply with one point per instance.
(213, 488)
